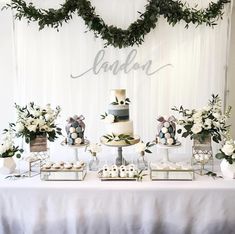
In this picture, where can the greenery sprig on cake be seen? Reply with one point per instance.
(208, 121)
(33, 121)
(172, 11)
(121, 137)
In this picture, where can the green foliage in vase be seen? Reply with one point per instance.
(172, 11)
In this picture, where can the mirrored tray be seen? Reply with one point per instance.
(63, 174)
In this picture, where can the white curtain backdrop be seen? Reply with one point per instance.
(36, 66)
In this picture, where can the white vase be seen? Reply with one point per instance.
(8, 165)
(227, 169)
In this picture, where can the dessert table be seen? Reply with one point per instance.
(33, 206)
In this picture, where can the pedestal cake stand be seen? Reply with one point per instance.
(76, 147)
(119, 145)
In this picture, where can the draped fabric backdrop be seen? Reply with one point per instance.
(36, 66)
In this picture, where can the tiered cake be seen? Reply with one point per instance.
(119, 128)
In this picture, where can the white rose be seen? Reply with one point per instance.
(188, 112)
(32, 128)
(233, 156)
(228, 149)
(39, 122)
(140, 147)
(197, 115)
(196, 128)
(35, 113)
(207, 123)
(19, 127)
(109, 118)
(216, 115)
(48, 117)
(198, 120)
(206, 108)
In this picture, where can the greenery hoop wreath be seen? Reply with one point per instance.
(173, 11)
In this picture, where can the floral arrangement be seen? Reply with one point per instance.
(227, 152)
(33, 121)
(142, 147)
(94, 149)
(7, 146)
(206, 122)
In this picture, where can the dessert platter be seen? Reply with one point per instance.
(115, 173)
(62, 171)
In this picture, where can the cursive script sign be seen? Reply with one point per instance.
(99, 65)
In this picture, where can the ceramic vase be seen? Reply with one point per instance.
(227, 169)
(8, 165)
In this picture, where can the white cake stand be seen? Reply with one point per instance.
(166, 148)
(119, 145)
(76, 147)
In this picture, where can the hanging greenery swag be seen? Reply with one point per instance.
(173, 11)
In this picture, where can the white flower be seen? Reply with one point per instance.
(48, 117)
(216, 124)
(197, 115)
(19, 127)
(198, 120)
(228, 149)
(188, 112)
(233, 156)
(39, 122)
(207, 123)
(32, 128)
(109, 118)
(206, 108)
(35, 113)
(216, 115)
(196, 128)
(95, 148)
(140, 147)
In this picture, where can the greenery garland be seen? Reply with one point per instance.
(173, 11)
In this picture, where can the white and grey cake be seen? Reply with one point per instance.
(119, 127)
(119, 108)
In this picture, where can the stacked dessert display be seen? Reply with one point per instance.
(119, 127)
(75, 138)
(166, 131)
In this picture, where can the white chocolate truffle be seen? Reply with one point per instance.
(166, 124)
(164, 130)
(78, 141)
(72, 129)
(170, 141)
(74, 135)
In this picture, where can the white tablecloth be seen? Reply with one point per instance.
(197, 207)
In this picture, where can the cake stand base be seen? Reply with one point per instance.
(120, 160)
